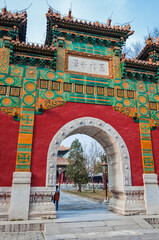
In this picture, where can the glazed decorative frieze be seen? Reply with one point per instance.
(146, 145)
(23, 160)
(87, 39)
(4, 59)
(39, 56)
(75, 67)
(71, 87)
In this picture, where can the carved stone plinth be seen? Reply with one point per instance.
(151, 193)
(20, 194)
(4, 202)
(128, 202)
(41, 206)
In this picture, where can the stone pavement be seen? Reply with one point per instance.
(22, 236)
(73, 202)
(99, 223)
(133, 227)
(95, 222)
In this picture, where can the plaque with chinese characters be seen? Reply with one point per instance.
(88, 65)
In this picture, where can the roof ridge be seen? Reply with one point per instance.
(69, 18)
(134, 60)
(9, 15)
(33, 45)
(148, 43)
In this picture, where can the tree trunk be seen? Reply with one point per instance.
(79, 187)
(93, 189)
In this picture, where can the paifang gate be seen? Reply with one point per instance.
(77, 82)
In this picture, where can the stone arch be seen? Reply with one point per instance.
(110, 140)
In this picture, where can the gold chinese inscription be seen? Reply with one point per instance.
(88, 64)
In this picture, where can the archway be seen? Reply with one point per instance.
(118, 160)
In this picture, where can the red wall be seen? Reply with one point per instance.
(155, 147)
(47, 124)
(9, 130)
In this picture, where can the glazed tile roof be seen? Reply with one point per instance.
(63, 148)
(80, 25)
(15, 17)
(147, 65)
(34, 48)
(62, 161)
(149, 46)
(18, 20)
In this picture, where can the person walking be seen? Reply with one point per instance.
(56, 197)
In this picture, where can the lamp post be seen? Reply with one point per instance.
(59, 170)
(105, 169)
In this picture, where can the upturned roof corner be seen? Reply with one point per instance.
(13, 24)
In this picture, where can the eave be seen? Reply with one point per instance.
(145, 51)
(33, 49)
(140, 65)
(10, 20)
(69, 23)
(78, 26)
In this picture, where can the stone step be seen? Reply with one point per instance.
(21, 227)
(84, 229)
(118, 235)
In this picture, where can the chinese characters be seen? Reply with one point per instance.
(88, 65)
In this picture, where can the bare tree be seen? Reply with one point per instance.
(133, 50)
(92, 155)
(136, 47)
(154, 33)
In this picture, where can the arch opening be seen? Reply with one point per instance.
(93, 154)
(107, 137)
(127, 199)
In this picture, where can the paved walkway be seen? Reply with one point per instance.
(94, 221)
(73, 202)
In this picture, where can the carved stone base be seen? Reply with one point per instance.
(19, 203)
(128, 202)
(4, 202)
(41, 206)
(151, 193)
(42, 211)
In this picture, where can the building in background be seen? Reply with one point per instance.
(62, 164)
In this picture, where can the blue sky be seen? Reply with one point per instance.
(144, 14)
